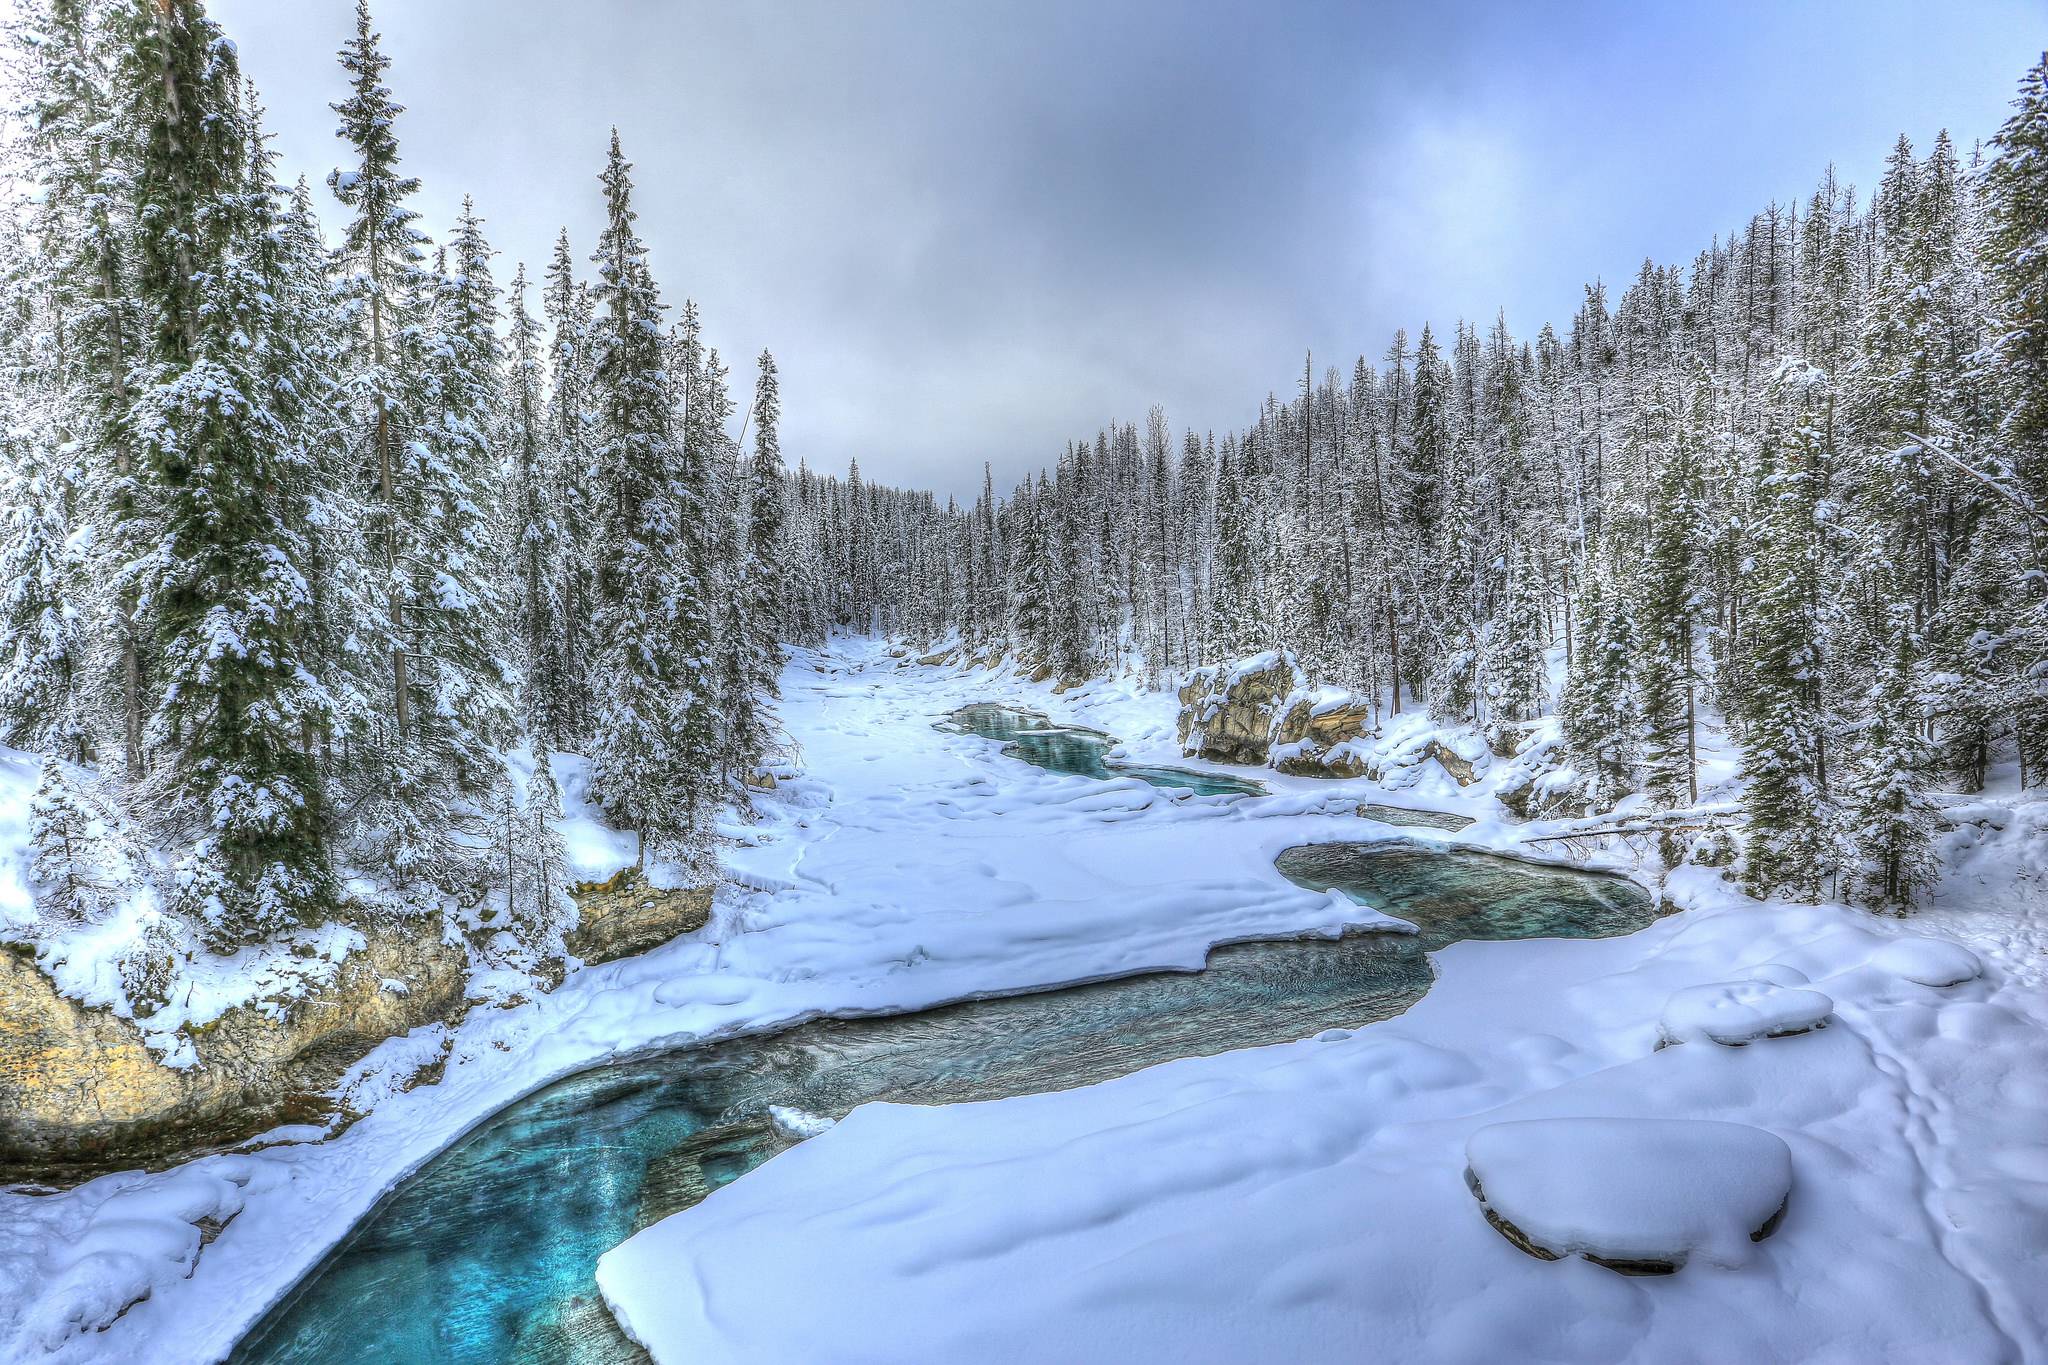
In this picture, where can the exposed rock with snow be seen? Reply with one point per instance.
(1641, 1196)
(1928, 961)
(1734, 1013)
(797, 1124)
(1316, 733)
(1538, 783)
(626, 915)
(1229, 711)
(84, 1085)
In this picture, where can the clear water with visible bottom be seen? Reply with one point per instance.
(1067, 749)
(489, 1252)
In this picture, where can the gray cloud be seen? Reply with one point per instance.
(973, 231)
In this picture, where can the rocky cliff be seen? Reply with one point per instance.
(81, 1087)
(82, 1090)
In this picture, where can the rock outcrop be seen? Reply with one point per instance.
(625, 915)
(1315, 737)
(81, 1087)
(1229, 712)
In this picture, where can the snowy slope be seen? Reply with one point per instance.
(1302, 1201)
(912, 867)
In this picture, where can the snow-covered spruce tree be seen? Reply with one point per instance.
(1780, 707)
(344, 590)
(2016, 190)
(713, 468)
(458, 627)
(1031, 597)
(759, 589)
(386, 289)
(535, 530)
(1077, 587)
(67, 854)
(1597, 712)
(1234, 627)
(653, 756)
(237, 700)
(1516, 677)
(1887, 809)
(567, 307)
(1665, 610)
(42, 627)
(79, 143)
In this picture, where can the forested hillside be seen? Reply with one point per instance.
(302, 536)
(1800, 478)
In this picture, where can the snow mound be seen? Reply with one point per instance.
(1643, 1196)
(797, 1124)
(1928, 961)
(1733, 1013)
(142, 1234)
(1779, 974)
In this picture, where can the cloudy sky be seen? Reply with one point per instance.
(973, 229)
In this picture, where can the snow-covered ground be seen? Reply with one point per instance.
(1303, 1202)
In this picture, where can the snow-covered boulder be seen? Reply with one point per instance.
(1641, 1196)
(1734, 1013)
(1316, 733)
(1928, 961)
(1229, 711)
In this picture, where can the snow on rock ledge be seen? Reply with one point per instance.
(1641, 1196)
(1734, 1013)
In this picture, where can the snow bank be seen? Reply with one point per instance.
(1303, 1202)
(1640, 1193)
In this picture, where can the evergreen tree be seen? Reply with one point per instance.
(1665, 611)
(1517, 676)
(237, 698)
(536, 530)
(761, 590)
(457, 631)
(1598, 709)
(383, 283)
(40, 621)
(2016, 187)
(1782, 721)
(68, 854)
(577, 511)
(80, 144)
(653, 756)
(1888, 814)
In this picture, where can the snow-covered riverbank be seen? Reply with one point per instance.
(1298, 1200)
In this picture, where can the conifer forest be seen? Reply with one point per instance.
(488, 799)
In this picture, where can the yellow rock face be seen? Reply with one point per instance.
(80, 1085)
(624, 916)
(80, 1089)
